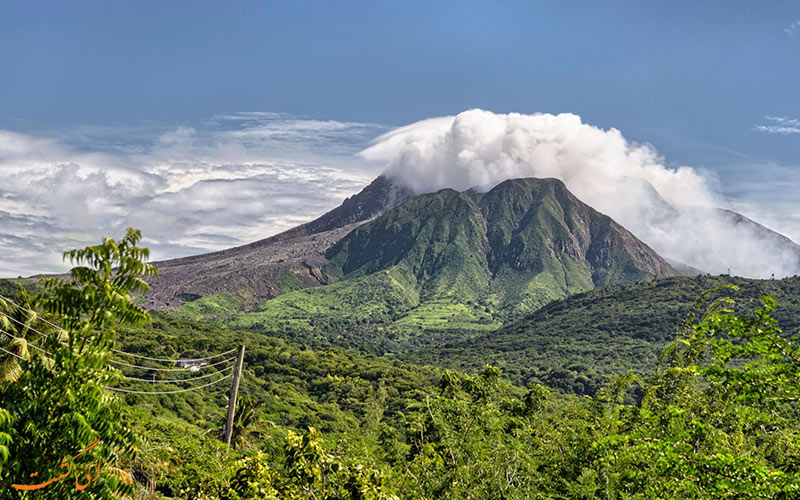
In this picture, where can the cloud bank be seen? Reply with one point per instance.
(236, 178)
(231, 180)
(628, 181)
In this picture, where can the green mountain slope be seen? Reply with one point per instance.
(438, 240)
(522, 244)
(575, 342)
(547, 244)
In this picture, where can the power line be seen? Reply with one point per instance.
(23, 359)
(39, 316)
(186, 360)
(179, 380)
(119, 362)
(128, 378)
(193, 368)
(173, 360)
(26, 341)
(34, 312)
(11, 353)
(170, 392)
(15, 320)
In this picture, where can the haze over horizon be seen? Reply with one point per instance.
(269, 105)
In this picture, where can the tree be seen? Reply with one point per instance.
(309, 472)
(57, 405)
(718, 420)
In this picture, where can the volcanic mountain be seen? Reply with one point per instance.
(443, 260)
(706, 239)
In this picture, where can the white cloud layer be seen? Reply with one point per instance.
(236, 179)
(602, 168)
(241, 177)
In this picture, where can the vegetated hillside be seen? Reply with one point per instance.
(10, 287)
(574, 343)
(522, 244)
(476, 437)
(454, 261)
(332, 390)
(357, 405)
(261, 270)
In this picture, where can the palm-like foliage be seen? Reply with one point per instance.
(247, 423)
(23, 330)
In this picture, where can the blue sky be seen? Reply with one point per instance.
(682, 72)
(709, 84)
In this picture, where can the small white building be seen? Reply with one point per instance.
(191, 364)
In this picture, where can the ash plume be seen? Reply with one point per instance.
(669, 208)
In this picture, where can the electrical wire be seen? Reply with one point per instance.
(11, 353)
(193, 368)
(15, 320)
(179, 380)
(188, 360)
(39, 316)
(172, 360)
(170, 392)
(26, 341)
(28, 310)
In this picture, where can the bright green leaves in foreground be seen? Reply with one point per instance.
(55, 405)
(719, 420)
(310, 472)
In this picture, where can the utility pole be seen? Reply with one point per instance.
(237, 372)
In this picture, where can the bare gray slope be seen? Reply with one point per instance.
(250, 271)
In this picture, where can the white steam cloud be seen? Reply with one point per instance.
(625, 180)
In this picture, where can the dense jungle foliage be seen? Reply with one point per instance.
(575, 344)
(716, 417)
